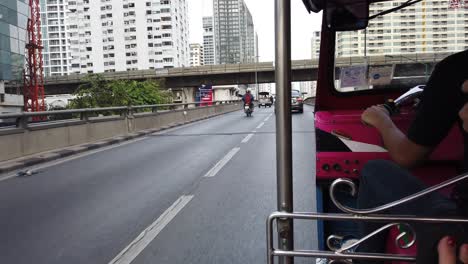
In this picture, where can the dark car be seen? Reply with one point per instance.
(297, 102)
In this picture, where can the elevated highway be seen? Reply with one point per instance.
(411, 65)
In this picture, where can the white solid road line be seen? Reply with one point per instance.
(247, 138)
(222, 163)
(151, 232)
(261, 124)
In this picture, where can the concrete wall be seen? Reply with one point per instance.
(225, 94)
(15, 143)
(9, 103)
(183, 95)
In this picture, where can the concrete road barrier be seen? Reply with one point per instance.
(37, 138)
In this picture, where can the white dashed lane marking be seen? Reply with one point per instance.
(222, 163)
(129, 254)
(247, 138)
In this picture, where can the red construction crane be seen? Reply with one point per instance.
(33, 89)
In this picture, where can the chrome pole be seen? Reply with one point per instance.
(284, 126)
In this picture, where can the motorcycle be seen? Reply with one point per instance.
(248, 110)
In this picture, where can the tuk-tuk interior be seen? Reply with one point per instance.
(344, 144)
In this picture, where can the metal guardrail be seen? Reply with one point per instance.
(259, 67)
(347, 253)
(23, 119)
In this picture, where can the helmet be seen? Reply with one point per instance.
(248, 90)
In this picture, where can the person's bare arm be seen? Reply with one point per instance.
(402, 150)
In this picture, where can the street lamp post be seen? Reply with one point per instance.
(426, 66)
(256, 75)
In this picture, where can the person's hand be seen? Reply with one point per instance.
(376, 116)
(447, 250)
(464, 111)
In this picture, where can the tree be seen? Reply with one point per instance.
(138, 93)
(96, 92)
(93, 93)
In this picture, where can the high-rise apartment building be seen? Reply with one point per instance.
(196, 55)
(426, 27)
(54, 37)
(307, 88)
(234, 32)
(315, 44)
(208, 41)
(123, 35)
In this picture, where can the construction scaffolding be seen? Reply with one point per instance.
(33, 78)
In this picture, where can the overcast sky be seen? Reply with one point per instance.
(303, 24)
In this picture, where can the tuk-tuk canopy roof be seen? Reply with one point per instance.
(318, 5)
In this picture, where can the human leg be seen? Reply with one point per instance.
(383, 182)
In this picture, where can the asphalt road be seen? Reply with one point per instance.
(91, 208)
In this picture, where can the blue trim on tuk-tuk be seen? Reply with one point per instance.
(320, 226)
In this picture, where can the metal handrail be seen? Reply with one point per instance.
(102, 109)
(343, 256)
(354, 245)
(24, 119)
(362, 215)
(394, 220)
(59, 112)
(396, 203)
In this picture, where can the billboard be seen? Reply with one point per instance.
(205, 95)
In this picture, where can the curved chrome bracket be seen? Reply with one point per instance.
(333, 238)
(353, 193)
(396, 203)
(402, 235)
(354, 245)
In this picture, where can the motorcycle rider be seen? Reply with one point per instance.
(248, 99)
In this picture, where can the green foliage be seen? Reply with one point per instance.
(96, 92)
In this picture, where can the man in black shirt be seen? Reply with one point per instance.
(383, 182)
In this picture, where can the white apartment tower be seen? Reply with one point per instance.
(54, 37)
(125, 35)
(315, 44)
(426, 27)
(196, 55)
(208, 41)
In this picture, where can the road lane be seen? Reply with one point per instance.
(225, 222)
(89, 209)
